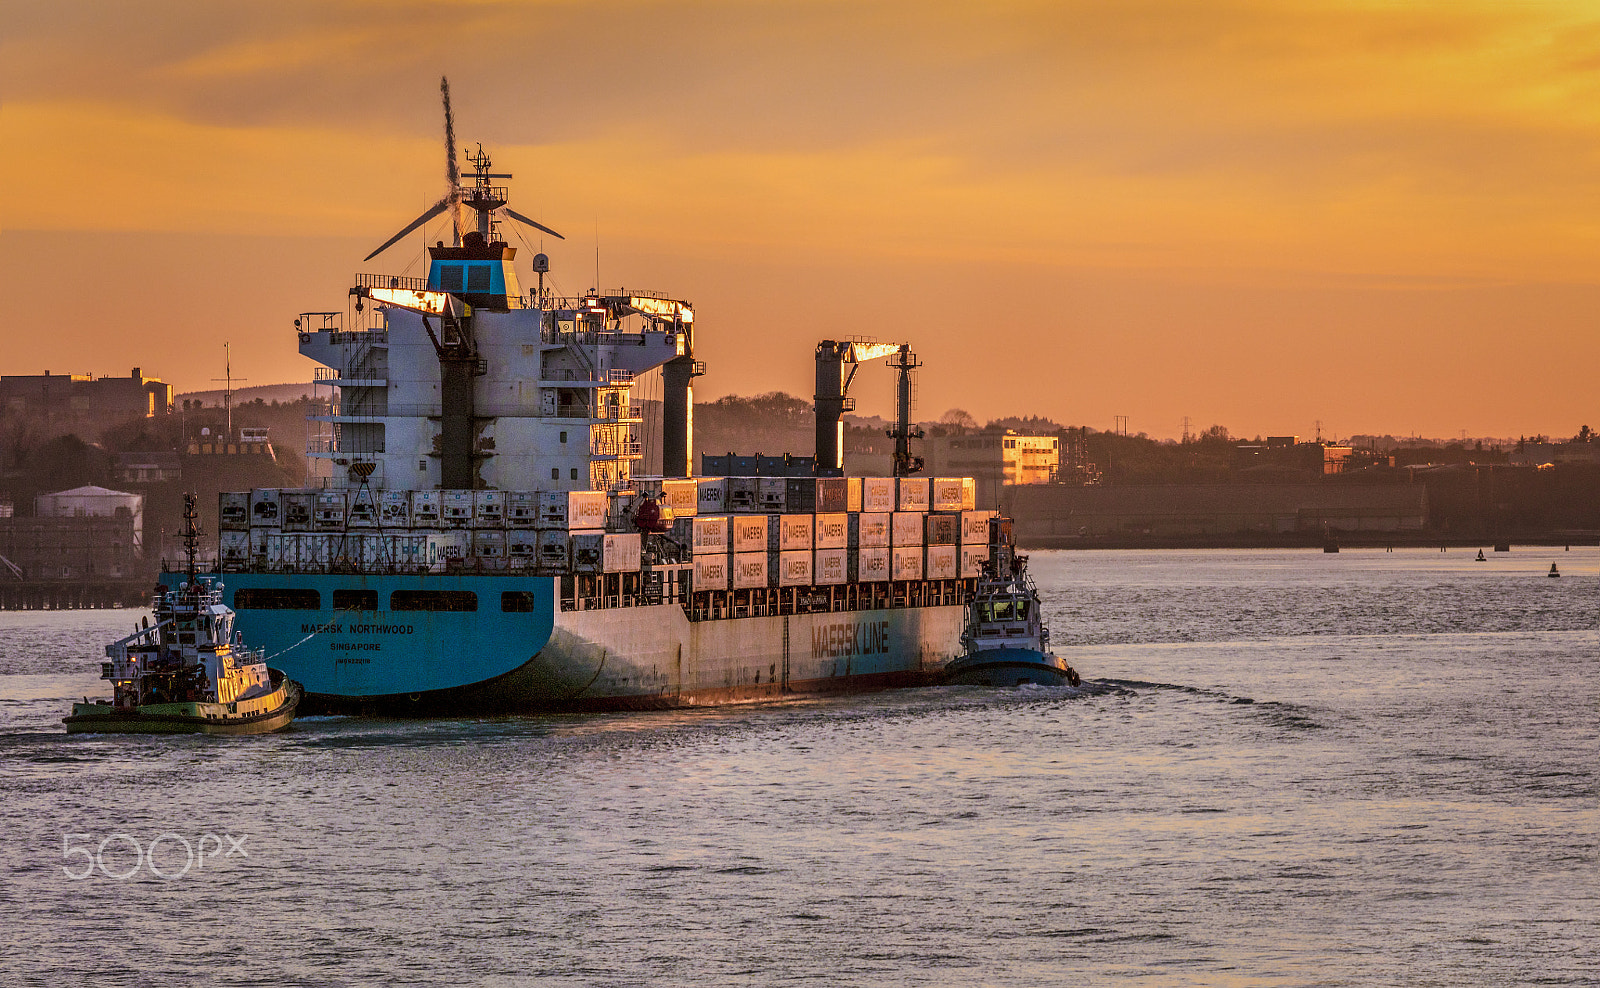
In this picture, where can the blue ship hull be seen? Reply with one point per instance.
(519, 652)
(1009, 667)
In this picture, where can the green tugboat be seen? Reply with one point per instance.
(189, 672)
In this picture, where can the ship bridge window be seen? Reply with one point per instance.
(355, 600)
(1002, 610)
(517, 601)
(275, 599)
(450, 277)
(433, 600)
(478, 278)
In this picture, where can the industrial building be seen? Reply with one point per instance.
(994, 459)
(83, 403)
(84, 534)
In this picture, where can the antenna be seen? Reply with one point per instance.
(227, 394)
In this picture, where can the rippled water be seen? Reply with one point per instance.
(1284, 768)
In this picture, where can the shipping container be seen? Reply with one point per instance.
(832, 531)
(952, 494)
(554, 552)
(943, 529)
(872, 564)
(794, 568)
(621, 553)
(911, 494)
(330, 511)
(233, 511)
(711, 571)
(682, 496)
(522, 509)
(455, 509)
(297, 510)
(800, 495)
(975, 527)
(877, 494)
(833, 494)
(282, 551)
(852, 494)
(573, 510)
(704, 533)
(906, 528)
(711, 495)
(523, 543)
(588, 550)
(363, 511)
(315, 552)
(749, 533)
(794, 533)
(488, 509)
(831, 568)
(750, 569)
(234, 550)
(489, 543)
(742, 494)
(258, 542)
(772, 494)
(973, 558)
(446, 548)
(872, 530)
(942, 562)
(906, 562)
(394, 509)
(425, 509)
(266, 510)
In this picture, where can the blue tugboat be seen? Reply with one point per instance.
(1005, 641)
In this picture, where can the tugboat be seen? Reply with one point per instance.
(189, 672)
(1006, 642)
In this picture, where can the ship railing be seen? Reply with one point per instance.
(603, 447)
(617, 375)
(392, 281)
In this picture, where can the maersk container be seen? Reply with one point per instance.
(852, 494)
(833, 494)
(425, 509)
(585, 509)
(832, 531)
(711, 571)
(711, 495)
(406, 552)
(521, 543)
(742, 494)
(588, 551)
(553, 552)
(233, 511)
(800, 495)
(831, 567)
(911, 493)
(943, 529)
(363, 508)
(455, 509)
(795, 533)
(258, 541)
(489, 543)
(297, 510)
(872, 564)
(522, 509)
(906, 529)
(975, 527)
(973, 559)
(234, 551)
(282, 551)
(394, 509)
(445, 548)
(952, 494)
(488, 509)
(772, 494)
(942, 562)
(708, 534)
(331, 511)
(621, 553)
(750, 569)
(266, 510)
(877, 494)
(872, 530)
(682, 496)
(749, 533)
(794, 568)
(315, 553)
(905, 562)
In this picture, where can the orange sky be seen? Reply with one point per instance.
(1376, 215)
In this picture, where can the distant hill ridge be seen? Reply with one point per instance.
(266, 392)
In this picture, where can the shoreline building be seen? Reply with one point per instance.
(83, 403)
(994, 460)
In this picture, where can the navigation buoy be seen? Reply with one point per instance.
(1481, 558)
(1553, 571)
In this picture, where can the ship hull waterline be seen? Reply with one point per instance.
(182, 718)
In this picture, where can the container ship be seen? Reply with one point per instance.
(476, 537)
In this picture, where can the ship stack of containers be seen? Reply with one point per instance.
(682, 496)
(942, 534)
(363, 508)
(872, 545)
(974, 542)
(394, 509)
(455, 509)
(831, 534)
(742, 494)
(425, 509)
(708, 539)
(747, 543)
(791, 556)
(906, 544)
(522, 509)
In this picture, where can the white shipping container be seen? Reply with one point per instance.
(794, 568)
(588, 551)
(831, 568)
(872, 564)
(455, 508)
(553, 551)
(950, 494)
(832, 531)
(522, 543)
(750, 569)
(297, 507)
(742, 493)
(873, 529)
(282, 551)
(906, 529)
(973, 558)
(711, 571)
(425, 509)
(363, 508)
(682, 496)
(488, 509)
(772, 494)
(445, 547)
(906, 562)
(233, 510)
(794, 533)
(749, 534)
(711, 495)
(621, 553)
(522, 509)
(975, 527)
(394, 509)
(403, 552)
(942, 562)
(488, 543)
(258, 540)
(912, 494)
(266, 510)
(330, 511)
(586, 509)
(235, 548)
(709, 534)
(877, 494)
(314, 552)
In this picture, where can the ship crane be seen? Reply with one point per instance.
(832, 401)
